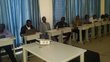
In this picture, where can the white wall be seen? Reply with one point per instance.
(102, 9)
(47, 10)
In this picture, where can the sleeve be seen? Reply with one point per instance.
(32, 27)
(22, 30)
(8, 34)
(56, 25)
(49, 26)
(41, 27)
(66, 24)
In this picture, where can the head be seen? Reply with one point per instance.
(28, 23)
(62, 19)
(86, 17)
(94, 16)
(77, 17)
(44, 19)
(102, 16)
(2, 28)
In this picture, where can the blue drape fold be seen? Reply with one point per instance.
(72, 8)
(14, 13)
(107, 6)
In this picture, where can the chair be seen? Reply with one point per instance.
(90, 56)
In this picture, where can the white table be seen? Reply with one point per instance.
(59, 32)
(109, 26)
(84, 27)
(31, 37)
(104, 23)
(55, 32)
(98, 24)
(67, 30)
(7, 41)
(55, 52)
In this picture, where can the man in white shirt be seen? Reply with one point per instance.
(44, 27)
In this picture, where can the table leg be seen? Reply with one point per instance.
(24, 55)
(93, 32)
(105, 29)
(60, 38)
(80, 33)
(109, 28)
(87, 36)
(82, 57)
(70, 40)
(49, 36)
(99, 31)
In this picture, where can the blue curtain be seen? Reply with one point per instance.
(14, 13)
(107, 6)
(59, 7)
(76, 7)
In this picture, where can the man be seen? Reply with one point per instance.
(28, 29)
(77, 22)
(4, 34)
(44, 26)
(87, 19)
(62, 24)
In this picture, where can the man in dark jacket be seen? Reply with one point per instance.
(27, 29)
(62, 24)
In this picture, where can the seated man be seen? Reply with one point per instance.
(44, 26)
(62, 24)
(77, 23)
(4, 34)
(27, 29)
(87, 19)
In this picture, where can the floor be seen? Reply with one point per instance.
(100, 45)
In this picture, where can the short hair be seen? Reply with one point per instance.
(28, 21)
(62, 18)
(102, 16)
(43, 17)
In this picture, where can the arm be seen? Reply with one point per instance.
(23, 29)
(6, 34)
(41, 27)
(49, 27)
(66, 24)
(56, 25)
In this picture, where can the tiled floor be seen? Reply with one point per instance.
(100, 45)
